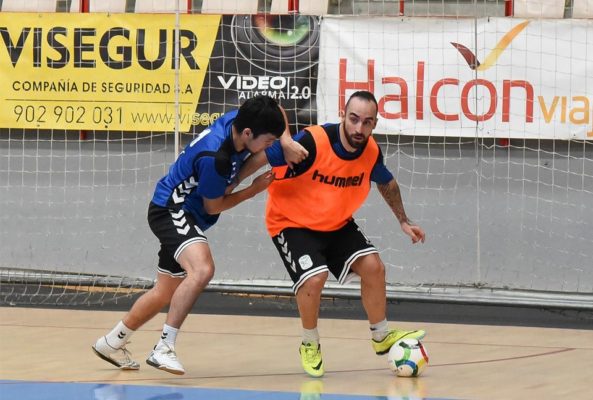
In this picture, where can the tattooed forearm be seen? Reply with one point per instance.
(391, 194)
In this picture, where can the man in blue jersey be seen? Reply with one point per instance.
(309, 215)
(186, 202)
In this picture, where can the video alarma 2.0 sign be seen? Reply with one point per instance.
(101, 72)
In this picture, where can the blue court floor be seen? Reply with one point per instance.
(21, 390)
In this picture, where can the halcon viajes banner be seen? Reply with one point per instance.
(494, 77)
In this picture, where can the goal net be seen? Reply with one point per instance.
(486, 120)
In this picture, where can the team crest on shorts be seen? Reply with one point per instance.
(305, 262)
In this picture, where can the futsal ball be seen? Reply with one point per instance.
(408, 357)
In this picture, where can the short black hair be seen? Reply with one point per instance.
(262, 115)
(363, 94)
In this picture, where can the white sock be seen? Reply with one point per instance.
(379, 330)
(310, 335)
(119, 335)
(169, 335)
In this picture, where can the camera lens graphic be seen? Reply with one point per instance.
(279, 44)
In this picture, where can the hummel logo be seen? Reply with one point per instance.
(121, 335)
(180, 222)
(339, 181)
(184, 230)
(183, 189)
(285, 252)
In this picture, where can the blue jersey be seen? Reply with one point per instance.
(380, 174)
(204, 169)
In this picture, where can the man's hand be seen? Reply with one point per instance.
(261, 182)
(294, 153)
(414, 232)
(231, 187)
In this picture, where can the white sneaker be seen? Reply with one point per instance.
(120, 357)
(164, 357)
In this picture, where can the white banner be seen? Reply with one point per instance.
(497, 77)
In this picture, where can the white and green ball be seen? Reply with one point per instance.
(408, 357)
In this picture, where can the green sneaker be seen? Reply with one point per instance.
(393, 336)
(311, 359)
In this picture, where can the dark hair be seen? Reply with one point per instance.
(363, 94)
(262, 115)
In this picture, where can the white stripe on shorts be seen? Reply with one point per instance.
(181, 274)
(346, 271)
(307, 275)
(187, 243)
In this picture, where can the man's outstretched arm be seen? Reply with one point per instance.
(392, 196)
(250, 167)
(230, 200)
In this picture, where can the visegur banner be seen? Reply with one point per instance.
(101, 71)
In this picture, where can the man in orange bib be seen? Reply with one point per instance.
(309, 217)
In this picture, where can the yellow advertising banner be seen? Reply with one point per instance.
(102, 71)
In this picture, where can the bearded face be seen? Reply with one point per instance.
(358, 122)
